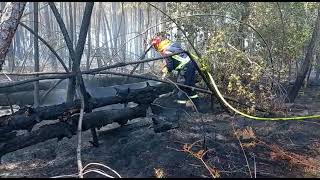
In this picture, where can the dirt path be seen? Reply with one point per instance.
(135, 150)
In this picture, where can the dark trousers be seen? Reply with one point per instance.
(187, 76)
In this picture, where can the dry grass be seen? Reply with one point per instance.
(187, 148)
(304, 162)
(308, 164)
(247, 134)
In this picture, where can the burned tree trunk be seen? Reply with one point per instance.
(36, 55)
(89, 49)
(26, 118)
(53, 61)
(97, 36)
(9, 21)
(71, 81)
(68, 129)
(317, 66)
(10, 58)
(307, 61)
(80, 47)
(67, 126)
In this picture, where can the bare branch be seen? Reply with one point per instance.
(45, 43)
(63, 29)
(43, 97)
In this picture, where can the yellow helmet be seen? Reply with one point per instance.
(160, 44)
(163, 45)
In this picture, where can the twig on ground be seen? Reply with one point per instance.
(199, 155)
(244, 153)
(79, 162)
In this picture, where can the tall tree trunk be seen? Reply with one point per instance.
(109, 31)
(105, 34)
(76, 54)
(114, 27)
(67, 19)
(71, 82)
(64, 17)
(283, 46)
(9, 21)
(317, 64)
(164, 9)
(97, 35)
(80, 47)
(30, 22)
(36, 54)
(140, 42)
(89, 49)
(308, 76)
(52, 58)
(123, 33)
(17, 44)
(136, 26)
(10, 57)
(307, 61)
(241, 31)
(22, 41)
(75, 24)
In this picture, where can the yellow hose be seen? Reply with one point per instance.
(254, 117)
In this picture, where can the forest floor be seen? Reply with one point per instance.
(264, 148)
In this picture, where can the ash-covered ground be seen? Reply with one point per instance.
(135, 150)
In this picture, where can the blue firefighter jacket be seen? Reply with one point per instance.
(172, 63)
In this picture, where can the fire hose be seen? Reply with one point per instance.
(216, 92)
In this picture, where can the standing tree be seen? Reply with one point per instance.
(242, 31)
(307, 60)
(36, 54)
(9, 21)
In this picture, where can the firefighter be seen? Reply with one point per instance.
(180, 63)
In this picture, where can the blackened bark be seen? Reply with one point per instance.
(65, 129)
(26, 118)
(36, 54)
(307, 60)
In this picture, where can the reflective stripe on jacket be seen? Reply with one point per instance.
(178, 61)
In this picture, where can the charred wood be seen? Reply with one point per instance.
(69, 128)
(27, 117)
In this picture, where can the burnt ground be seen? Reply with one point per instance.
(135, 150)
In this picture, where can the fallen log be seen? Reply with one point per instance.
(68, 129)
(27, 117)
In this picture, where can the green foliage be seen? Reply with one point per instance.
(236, 73)
(286, 26)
